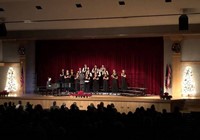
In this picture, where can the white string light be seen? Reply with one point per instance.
(188, 84)
(11, 84)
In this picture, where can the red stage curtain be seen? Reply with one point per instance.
(142, 58)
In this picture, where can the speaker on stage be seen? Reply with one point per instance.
(183, 22)
(3, 30)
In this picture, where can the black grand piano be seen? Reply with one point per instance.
(49, 89)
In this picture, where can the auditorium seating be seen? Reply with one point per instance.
(97, 121)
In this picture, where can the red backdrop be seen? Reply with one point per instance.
(142, 58)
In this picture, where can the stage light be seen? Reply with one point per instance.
(183, 22)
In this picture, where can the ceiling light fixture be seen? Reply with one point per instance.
(38, 7)
(121, 3)
(168, 0)
(78, 5)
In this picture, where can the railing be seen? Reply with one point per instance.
(134, 91)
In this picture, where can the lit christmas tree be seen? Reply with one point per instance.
(188, 82)
(11, 84)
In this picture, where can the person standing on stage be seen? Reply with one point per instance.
(77, 81)
(101, 74)
(105, 82)
(114, 77)
(87, 81)
(95, 82)
(72, 80)
(106, 72)
(62, 79)
(48, 84)
(123, 80)
(82, 80)
(85, 68)
(79, 70)
(95, 69)
(67, 80)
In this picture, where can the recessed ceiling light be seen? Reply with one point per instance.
(168, 0)
(78, 5)
(121, 2)
(1, 10)
(38, 7)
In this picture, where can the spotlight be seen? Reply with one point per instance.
(183, 22)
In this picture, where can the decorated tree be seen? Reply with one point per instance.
(188, 82)
(11, 84)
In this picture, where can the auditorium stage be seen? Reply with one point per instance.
(123, 104)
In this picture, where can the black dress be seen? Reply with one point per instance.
(124, 84)
(72, 82)
(87, 84)
(105, 84)
(77, 84)
(61, 82)
(95, 84)
(114, 83)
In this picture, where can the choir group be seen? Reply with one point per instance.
(94, 80)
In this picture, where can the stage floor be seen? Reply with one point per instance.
(123, 104)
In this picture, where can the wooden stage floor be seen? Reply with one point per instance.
(123, 104)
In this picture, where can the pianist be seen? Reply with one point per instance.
(48, 83)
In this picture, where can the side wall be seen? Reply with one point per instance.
(188, 56)
(10, 56)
